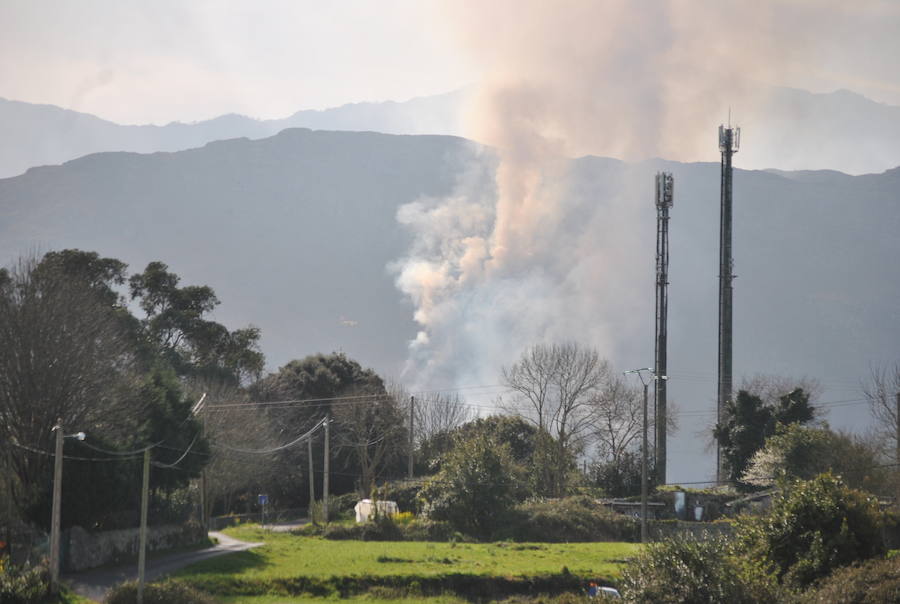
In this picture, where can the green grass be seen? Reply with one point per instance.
(353, 600)
(285, 556)
(290, 567)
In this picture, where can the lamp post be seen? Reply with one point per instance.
(57, 500)
(645, 383)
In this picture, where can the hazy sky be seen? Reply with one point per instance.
(135, 61)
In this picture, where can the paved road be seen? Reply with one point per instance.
(96, 583)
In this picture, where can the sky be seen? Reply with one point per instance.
(620, 78)
(133, 61)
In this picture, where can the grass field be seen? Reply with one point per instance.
(288, 566)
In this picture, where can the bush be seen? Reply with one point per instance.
(872, 582)
(813, 528)
(386, 529)
(404, 492)
(570, 519)
(22, 585)
(475, 489)
(688, 570)
(167, 592)
(380, 528)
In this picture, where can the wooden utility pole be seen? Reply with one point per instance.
(412, 419)
(326, 469)
(56, 510)
(897, 458)
(644, 473)
(312, 485)
(142, 548)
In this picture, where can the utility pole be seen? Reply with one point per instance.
(897, 458)
(55, 513)
(729, 141)
(204, 495)
(643, 473)
(326, 467)
(142, 548)
(644, 489)
(312, 485)
(412, 419)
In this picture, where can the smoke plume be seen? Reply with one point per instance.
(520, 253)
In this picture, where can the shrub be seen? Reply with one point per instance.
(813, 528)
(688, 570)
(166, 592)
(474, 490)
(570, 519)
(872, 582)
(404, 492)
(23, 585)
(380, 528)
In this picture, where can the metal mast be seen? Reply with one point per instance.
(729, 141)
(665, 185)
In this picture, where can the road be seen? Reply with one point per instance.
(96, 583)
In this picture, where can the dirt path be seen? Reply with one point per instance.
(96, 583)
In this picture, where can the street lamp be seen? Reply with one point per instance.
(645, 382)
(57, 500)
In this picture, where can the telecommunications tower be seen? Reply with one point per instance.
(664, 195)
(729, 141)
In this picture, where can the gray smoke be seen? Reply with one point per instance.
(526, 257)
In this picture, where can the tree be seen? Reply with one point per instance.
(620, 477)
(747, 422)
(174, 322)
(475, 488)
(64, 355)
(554, 386)
(338, 385)
(812, 528)
(801, 452)
(513, 432)
(371, 425)
(618, 419)
(882, 391)
(437, 412)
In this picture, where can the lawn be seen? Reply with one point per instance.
(289, 565)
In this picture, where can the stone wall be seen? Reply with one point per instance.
(83, 550)
(661, 530)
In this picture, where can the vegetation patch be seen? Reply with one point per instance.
(291, 565)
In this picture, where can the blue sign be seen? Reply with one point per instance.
(263, 500)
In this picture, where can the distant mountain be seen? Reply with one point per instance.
(791, 130)
(295, 233)
(38, 135)
(796, 130)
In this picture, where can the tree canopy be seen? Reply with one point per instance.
(747, 422)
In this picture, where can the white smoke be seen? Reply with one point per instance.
(529, 258)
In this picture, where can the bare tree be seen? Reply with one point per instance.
(437, 412)
(555, 385)
(618, 419)
(232, 430)
(882, 390)
(373, 428)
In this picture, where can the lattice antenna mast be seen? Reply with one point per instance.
(665, 187)
(729, 142)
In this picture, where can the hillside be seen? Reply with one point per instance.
(296, 233)
(40, 135)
